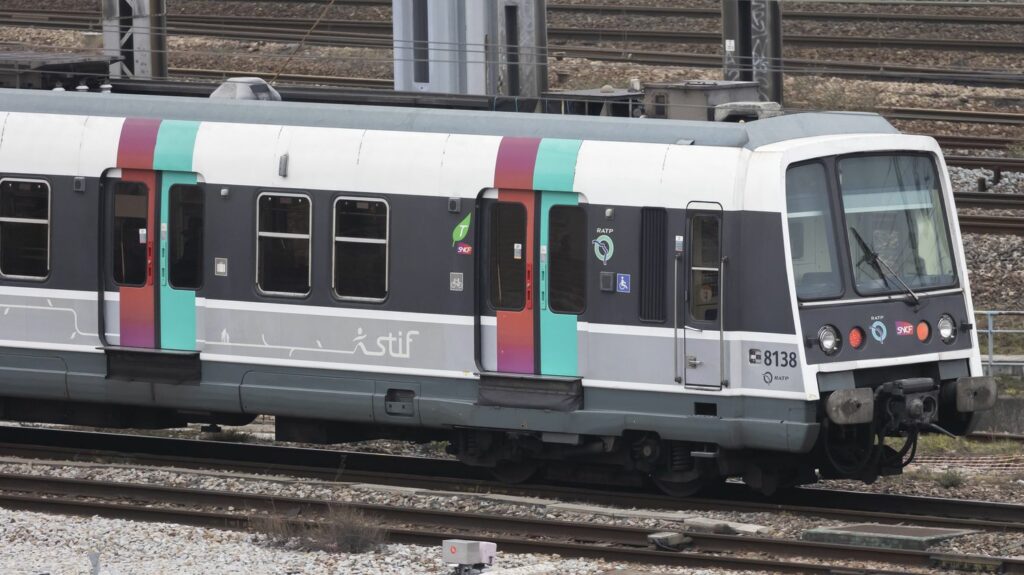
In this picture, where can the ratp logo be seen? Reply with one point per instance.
(879, 332)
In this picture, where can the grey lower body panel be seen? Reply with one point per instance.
(739, 422)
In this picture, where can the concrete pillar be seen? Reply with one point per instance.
(136, 31)
(484, 47)
(752, 44)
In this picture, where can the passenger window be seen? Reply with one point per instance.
(361, 249)
(185, 249)
(24, 229)
(811, 240)
(567, 249)
(131, 230)
(282, 246)
(705, 259)
(508, 256)
(652, 263)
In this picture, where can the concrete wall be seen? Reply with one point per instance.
(1006, 417)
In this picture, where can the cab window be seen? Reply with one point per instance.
(811, 238)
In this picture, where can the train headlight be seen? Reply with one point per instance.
(828, 340)
(947, 328)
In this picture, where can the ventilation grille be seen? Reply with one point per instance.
(652, 264)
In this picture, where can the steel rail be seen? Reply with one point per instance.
(1006, 164)
(992, 225)
(883, 71)
(975, 142)
(994, 201)
(965, 116)
(787, 14)
(440, 474)
(474, 524)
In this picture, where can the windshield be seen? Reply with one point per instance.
(894, 214)
(811, 241)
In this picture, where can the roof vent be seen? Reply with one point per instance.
(746, 111)
(246, 88)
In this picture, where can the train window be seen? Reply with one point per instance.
(895, 223)
(705, 259)
(185, 241)
(24, 229)
(508, 256)
(652, 263)
(567, 254)
(283, 244)
(131, 233)
(812, 248)
(361, 248)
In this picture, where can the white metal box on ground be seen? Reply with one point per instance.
(464, 552)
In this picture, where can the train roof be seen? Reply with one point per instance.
(749, 135)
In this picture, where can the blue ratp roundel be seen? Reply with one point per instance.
(879, 332)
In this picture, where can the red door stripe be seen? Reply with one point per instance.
(513, 176)
(138, 304)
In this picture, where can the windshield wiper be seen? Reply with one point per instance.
(878, 263)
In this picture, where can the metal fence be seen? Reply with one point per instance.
(1007, 328)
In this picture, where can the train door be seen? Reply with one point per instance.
(534, 278)
(703, 339)
(154, 263)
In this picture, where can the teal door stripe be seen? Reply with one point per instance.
(556, 165)
(553, 177)
(175, 144)
(173, 157)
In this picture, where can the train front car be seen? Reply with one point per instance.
(881, 298)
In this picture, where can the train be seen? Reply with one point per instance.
(589, 299)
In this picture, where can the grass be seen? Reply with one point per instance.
(950, 479)
(1010, 385)
(230, 436)
(938, 444)
(342, 530)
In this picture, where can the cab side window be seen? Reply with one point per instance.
(705, 260)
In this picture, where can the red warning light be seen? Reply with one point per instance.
(856, 338)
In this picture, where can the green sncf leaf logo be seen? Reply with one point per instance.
(462, 230)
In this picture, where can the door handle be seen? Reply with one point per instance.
(529, 286)
(693, 362)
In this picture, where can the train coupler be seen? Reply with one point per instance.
(911, 403)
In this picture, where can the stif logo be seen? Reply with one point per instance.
(904, 328)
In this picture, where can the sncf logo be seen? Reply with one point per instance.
(904, 328)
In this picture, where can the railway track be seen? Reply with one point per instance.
(378, 35)
(148, 502)
(788, 12)
(448, 475)
(367, 33)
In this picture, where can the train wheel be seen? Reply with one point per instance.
(680, 488)
(515, 471)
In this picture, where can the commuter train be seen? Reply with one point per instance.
(596, 299)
